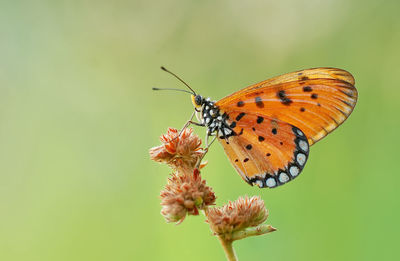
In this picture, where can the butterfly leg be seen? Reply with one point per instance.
(206, 140)
(212, 141)
(187, 124)
(207, 146)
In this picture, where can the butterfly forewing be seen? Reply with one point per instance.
(314, 100)
(265, 151)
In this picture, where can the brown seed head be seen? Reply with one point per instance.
(179, 152)
(185, 193)
(238, 215)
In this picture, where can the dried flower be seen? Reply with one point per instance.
(185, 193)
(179, 152)
(238, 215)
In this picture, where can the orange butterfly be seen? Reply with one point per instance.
(266, 129)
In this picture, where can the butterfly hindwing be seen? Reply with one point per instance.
(315, 100)
(265, 151)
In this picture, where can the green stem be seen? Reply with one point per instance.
(254, 231)
(228, 248)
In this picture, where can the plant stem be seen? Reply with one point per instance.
(228, 248)
(254, 231)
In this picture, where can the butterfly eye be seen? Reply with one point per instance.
(197, 100)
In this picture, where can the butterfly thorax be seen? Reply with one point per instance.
(214, 119)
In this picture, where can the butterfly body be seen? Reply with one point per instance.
(267, 129)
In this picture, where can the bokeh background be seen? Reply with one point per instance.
(77, 117)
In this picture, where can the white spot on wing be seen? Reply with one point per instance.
(271, 182)
(301, 158)
(259, 183)
(294, 171)
(299, 132)
(303, 145)
(283, 177)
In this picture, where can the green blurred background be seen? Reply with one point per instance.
(77, 117)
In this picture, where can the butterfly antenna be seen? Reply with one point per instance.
(177, 77)
(170, 89)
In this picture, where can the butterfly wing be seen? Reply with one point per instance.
(314, 100)
(265, 151)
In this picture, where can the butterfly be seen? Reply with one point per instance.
(266, 129)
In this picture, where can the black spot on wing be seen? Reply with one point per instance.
(240, 116)
(283, 98)
(259, 102)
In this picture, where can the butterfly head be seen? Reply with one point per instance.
(197, 101)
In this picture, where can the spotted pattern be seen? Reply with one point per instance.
(217, 121)
(292, 170)
(283, 98)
